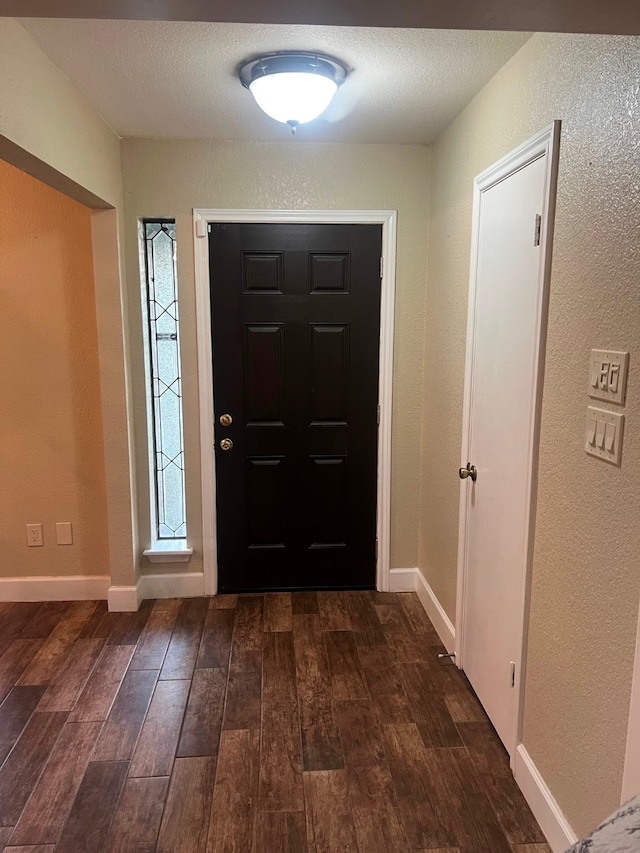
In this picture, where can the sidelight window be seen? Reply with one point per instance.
(164, 384)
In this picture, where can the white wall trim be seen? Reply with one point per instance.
(124, 599)
(69, 588)
(178, 585)
(547, 143)
(402, 580)
(388, 220)
(631, 775)
(436, 612)
(169, 585)
(412, 580)
(556, 828)
(159, 554)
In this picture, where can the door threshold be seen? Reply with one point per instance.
(260, 590)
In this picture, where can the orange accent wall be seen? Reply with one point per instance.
(51, 443)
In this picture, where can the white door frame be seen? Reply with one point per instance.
(547, 143)
(388, 220)
(631, 774)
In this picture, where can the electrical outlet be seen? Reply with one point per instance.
(34, 535)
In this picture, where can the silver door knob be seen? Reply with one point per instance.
(226, 444)
(469, 471)
(226, 420)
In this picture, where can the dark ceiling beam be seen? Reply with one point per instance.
(577, 16)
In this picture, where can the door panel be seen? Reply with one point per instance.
(329, 374)
(263, 358)
(295, 333)
(329, 273)
(501, 434)
(262, 273)
(265, 499)
(328, 484)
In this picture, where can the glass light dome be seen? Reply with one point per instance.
(293, 97)
(293, 87)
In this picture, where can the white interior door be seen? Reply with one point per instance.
(505, 342)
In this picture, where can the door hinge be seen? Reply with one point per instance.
(376, 549)
(537, 230)
(512, 674)
(378, 415)
(381, 267)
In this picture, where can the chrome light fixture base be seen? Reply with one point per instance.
(284, 61)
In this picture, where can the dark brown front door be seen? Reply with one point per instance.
(295, 326)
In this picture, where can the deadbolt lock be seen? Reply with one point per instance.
(226, 444)
(226, 420)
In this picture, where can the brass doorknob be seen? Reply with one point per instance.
(470, 471)
(226, 420)
(226, 444)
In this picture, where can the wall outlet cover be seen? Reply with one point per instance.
(64, 533)
(34, 535)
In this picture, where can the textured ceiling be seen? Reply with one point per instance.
(177, 80)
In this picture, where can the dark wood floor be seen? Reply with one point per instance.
(303, 723)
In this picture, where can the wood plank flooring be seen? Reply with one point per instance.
(282, 723)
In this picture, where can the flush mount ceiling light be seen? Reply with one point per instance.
(293, 86)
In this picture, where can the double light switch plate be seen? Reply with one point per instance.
(608, 376)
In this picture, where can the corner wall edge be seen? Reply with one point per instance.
(556, 828)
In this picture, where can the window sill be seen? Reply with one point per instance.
(169, 551)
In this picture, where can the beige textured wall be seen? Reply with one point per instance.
(171, 178)
(585, 579)
(44, 114)
(115, 385)
(48, 129)
(51, 449)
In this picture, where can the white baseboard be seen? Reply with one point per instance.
(128, 598)
(435, 611)
(187, 585)
(546, 810)
(69, 588)
(123, 599)
(89, 588)
(412, 580)
(542, 803)
(402, 580)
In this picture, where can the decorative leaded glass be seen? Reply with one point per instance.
(166, 385)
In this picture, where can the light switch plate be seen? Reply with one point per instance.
(603, 434)
(608, 375)
(64, 533)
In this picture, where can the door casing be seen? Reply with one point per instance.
(201, 220)
(547, 143)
